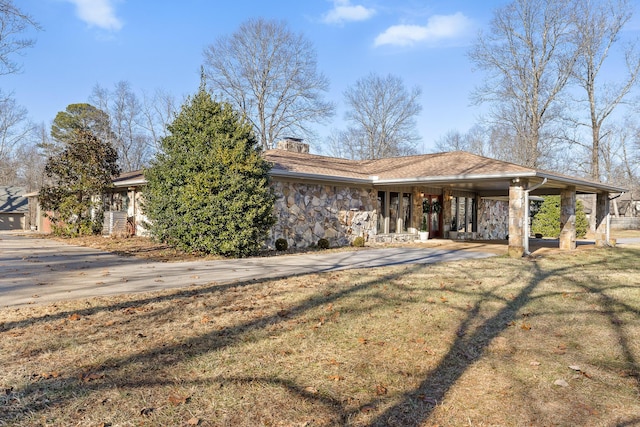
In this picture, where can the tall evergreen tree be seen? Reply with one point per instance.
(78, 176)
(208, 188)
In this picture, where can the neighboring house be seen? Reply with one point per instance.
(14, 209)
(463, 196)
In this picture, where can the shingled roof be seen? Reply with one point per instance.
(456, 167)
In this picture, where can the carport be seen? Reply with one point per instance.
(518, 187)
(461, 173)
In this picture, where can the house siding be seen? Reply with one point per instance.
(493, 218)
(306, 212)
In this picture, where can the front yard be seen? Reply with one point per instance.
(553, 340)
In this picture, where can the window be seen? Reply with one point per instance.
(395, 212)
(406, 211)
(394, 208)
(382, 202)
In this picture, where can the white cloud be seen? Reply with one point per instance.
(99, 13)
(439, 27)
(343, 12)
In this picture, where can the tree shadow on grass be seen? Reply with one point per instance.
(117, 373)
(414, 407)
(417, 405)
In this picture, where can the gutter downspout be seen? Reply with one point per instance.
(525, 243)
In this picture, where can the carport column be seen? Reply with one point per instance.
(602, 219)
(568, 218)
(516, 217)
(446, 211)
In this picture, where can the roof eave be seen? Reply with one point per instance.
(582, 183)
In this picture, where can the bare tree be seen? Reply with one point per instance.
(473, 141)
(127, 121)
(158, 111)
(528, 60)
(382, 118)
(13, 22)
(15, 131)
(597, 26)
(269, 73)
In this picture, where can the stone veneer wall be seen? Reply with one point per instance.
(308, 212)
(493, 219)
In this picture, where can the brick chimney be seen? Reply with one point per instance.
(295, 145)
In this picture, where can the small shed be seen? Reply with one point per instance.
(14, 208)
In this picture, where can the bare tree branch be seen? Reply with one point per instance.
(13, 23)
(382, 118)
(528, 63)
(269, 73)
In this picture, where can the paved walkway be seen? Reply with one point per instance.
(39, 271)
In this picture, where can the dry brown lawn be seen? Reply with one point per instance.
(549, 340)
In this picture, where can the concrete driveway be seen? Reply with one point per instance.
(38, 271)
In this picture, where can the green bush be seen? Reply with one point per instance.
(582, 223)
(358, 242)
(547, 220)
(208, 185)
(282, 244)
(323, 244)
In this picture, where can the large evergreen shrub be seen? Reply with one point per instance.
(78, 175)
(208, 188)
(547, 219)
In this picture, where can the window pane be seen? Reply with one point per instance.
(406, 211)
(381, 213)
(394, 206)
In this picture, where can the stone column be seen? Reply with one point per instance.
(446, 212)
(516, 217)
(602, 223)
(568, 218)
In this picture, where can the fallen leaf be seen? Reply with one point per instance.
(194, 421)
(381, 390)
(178, 400)
(575, 368)
(367, 408)
(525, 326)
(311, 390)
(336, 377)
(362, 340)
(534, 363)
(443, 299)
(205, 319)
(89, 376)
(561, 383)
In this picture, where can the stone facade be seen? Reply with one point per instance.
(307, 212)
(493, 219)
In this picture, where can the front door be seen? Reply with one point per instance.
(432, 209)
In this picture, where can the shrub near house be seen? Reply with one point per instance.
(208, 188)
(547, 219)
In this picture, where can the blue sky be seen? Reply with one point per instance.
(158, 45)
